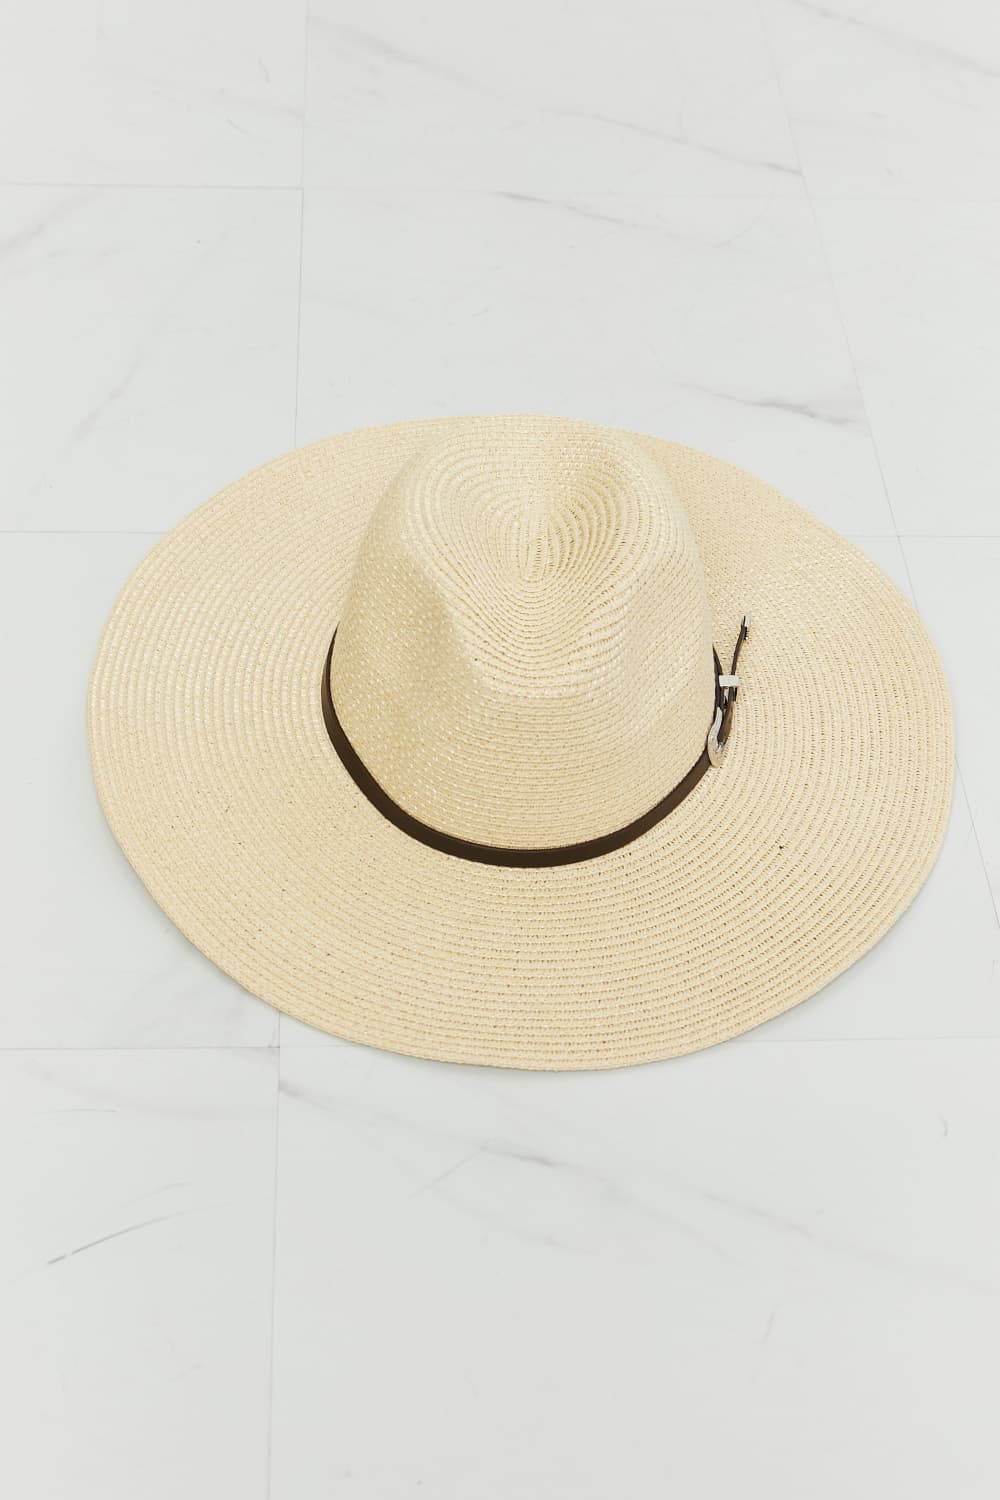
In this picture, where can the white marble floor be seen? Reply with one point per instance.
(242, 1260)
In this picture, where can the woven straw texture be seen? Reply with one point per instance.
(526, 609)
(525, 652)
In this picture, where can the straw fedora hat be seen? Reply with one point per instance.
(522, 741)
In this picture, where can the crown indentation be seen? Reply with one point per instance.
(525, 656)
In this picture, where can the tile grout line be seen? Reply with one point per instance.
(831, 282)
(337, 1049)
(156, 1047)
(274, 1267)
(959, 774)
(132, 531)
(849, 346)
(75, 531)
(298, 323)
(464, 190)
(277, 1094)
(155, 187)
(302, 220)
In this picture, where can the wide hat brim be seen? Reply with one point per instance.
(782, 867)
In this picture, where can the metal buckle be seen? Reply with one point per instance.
(726, 686)
(716, 747)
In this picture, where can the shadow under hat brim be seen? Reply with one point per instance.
(782, 867)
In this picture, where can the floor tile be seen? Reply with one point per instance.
(900, 98)
(149, 349)
(920, 297)
(199, 91)
(136, 1261)
(563, 1285)
(679, 98)
(955, 581)
(89, 960)
(712, 322)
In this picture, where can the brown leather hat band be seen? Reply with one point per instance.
(490, 854)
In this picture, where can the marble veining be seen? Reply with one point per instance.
(918, 47)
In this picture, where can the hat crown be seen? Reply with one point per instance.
(525, 654)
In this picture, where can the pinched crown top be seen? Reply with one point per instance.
(525, 656)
